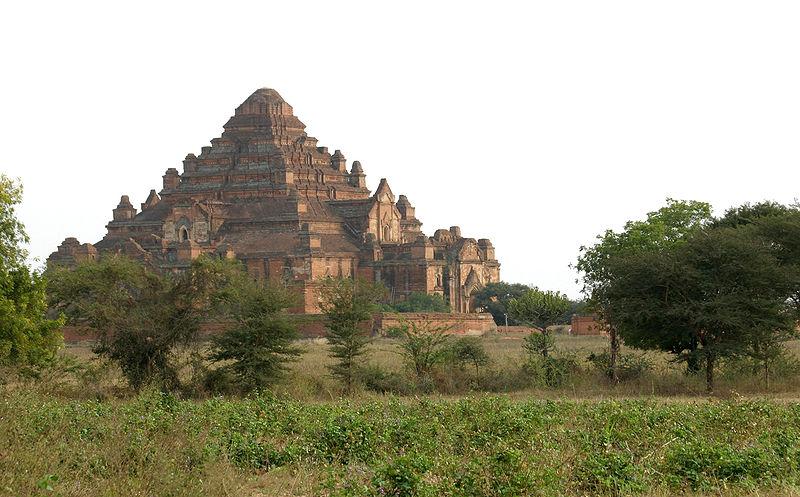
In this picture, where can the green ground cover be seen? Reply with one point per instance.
(156, 444)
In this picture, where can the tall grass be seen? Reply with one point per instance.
(309, 378)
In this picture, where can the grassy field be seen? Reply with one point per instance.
(309, 378)
(80, 431)
(155, 444)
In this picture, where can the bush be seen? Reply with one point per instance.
(629, 366)
(423, 346)
(402, 477)
(258, 347)
(377, 379)
(422, 302)
(468, 351)
(550, 371)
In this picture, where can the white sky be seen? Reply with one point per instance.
(535, 124)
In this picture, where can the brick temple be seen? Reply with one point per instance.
(266, 193)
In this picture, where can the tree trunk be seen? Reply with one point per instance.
(544, 345)
(709, 371)
(614, 352)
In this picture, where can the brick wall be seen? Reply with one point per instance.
(587, 325)
(313, 325)
(466, 324)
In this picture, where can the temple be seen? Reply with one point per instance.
(266, 193)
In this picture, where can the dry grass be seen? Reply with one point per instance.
(309, 380)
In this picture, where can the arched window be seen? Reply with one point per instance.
(387, 233)
(183, 234)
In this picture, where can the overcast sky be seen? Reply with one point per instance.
(535, 124)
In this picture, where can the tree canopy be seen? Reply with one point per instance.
(699, 287)
(257, 348)
(27, 336)
(422, 302)
(347, 304)
(495, 297)
(141, 314)
(540, 309)
(714, 296)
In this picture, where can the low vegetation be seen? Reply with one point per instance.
(156, 444)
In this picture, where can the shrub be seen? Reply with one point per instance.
(403, 477)
(142, 316)
(608, 472)
(346, 304)
(550, 371)
(539, 344)
(629, 366)
(258, 347)
(422, 302)
(378, 379)
(423, 346)
(468, 351)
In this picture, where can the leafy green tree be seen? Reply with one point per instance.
(540, 309)
(422, 302)
(139, 314)
(778, 225)
(260, 344)
(347, 304)
(27, 337)
(422, 345)
(716, 295)
(667, 227)
(495, 297)
(469, 350)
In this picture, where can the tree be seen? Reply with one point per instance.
(257, 348)
(539, 309)
(494, 298)
(778, 225)
(469, 350)
(422, 302)
(347, 304)
(667, 227)
(423, 346)
(27, 337)
(716, 295)
(139, 314)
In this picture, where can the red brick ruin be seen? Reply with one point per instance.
(266, 193)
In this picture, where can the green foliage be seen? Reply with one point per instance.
(720, 291)
(347, 304)
(27, 337)
(481, 446)
(377, 379)
(550, 371)
(142, 315)
(667, 227)
(698, 287)
(630, 366)
(495, 297)
(536, 344)
(12, 231)
(470, 351)
(423, 346)
(422, 302)
(539, 308)
(258, 347)
(403, 477)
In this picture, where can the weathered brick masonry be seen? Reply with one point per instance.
(268, 194)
